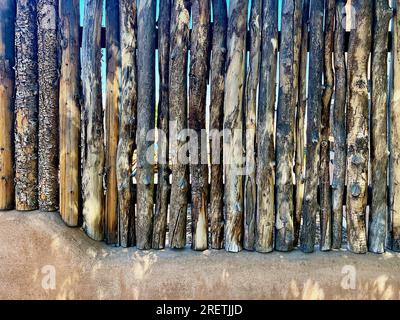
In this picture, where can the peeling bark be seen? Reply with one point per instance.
(285, 130)
(310, 201)
(233, 122)
(127, 123)
(339, 126)
(216, 120)
(47, 17)
(265, 217)
(163, 187)
(253, 75)
(92, 123)
(7, 79)
(300, 120)
(325, 185)
(357, 127)
(197, 120)
(26, 107)
(112, 105)
(178, 116)
(146, 111)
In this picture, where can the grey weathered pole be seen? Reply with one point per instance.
(310, 201)
(357, 126)
(7, 76)
(265, 217)
(92, 123)
(26, 106)
(127, 123)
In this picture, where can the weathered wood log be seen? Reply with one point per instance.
(92, 123)
(286, 113)
(394, 183)
(7, 78)
(218, 60)
(379, 147)
(70, 115)
(47, 18)
(111, 121)
(26, 107)
(198, 77)
(265, 129)
(233, 122)
(180, 17)
(310, 201)
(253, 75)
(127, 123)
(300, 120)
(329, 80)
(357, 127)
(339, 126)
(146, 122)
(163, 187)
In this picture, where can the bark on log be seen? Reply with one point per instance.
(112, 105)
(70, 115)
(92, 123)
(218, 60)
(47, 18)
(300, 120)
(26, 107)
(233, 122)
(127, 124)
(7, 78)
(325, 185)
(253, 75)
(357, 126)
(265, 129)
(163, 187)
(339, 126)
(285, 125)
(197, 120)
(146, 111)
(394, 223)
(178, 116)
(310, 201)
(379, 147)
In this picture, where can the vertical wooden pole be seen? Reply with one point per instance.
(127, 123)
(70, 115)
(233, 122)
(92, 123)
(265, 129)
(26, 107)
(112, 106)
(394, 226)
(339, 126)
(357, 126)
(310, 202)
(163, 187)
(47, 17)
(220, 24)
(379, 147)
(7, 78)
(253, 75)
(325, 185)
(197, 120)
(178, 116)
(146, 121)
(300, 119)
(285, 131)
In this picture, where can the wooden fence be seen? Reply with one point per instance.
(61, 149)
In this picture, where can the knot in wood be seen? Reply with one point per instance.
(355, 190)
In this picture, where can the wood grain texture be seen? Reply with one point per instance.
(92, 123)
(26, 107)
(7, 82)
